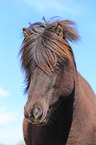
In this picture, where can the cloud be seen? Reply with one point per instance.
(7, 118)
(10, 126)
(11, 134)
(42, 6)
(3, 93)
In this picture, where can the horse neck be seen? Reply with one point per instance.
(79, 103)
(79, 116)
(63, 117)
(70, 111)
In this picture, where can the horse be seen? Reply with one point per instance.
(61, 105)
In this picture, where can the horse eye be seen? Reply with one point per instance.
(58, 64)
(59, 30)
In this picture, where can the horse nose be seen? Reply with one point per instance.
(37, 113)
(34, 115)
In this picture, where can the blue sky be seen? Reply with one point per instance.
(14, 15)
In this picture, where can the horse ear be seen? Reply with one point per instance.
(26, 32)
(59, 30)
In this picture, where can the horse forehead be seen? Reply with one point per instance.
(42, 79)
(40, 86)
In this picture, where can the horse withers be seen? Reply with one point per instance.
(61, 105)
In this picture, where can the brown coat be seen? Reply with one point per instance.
(61, 106)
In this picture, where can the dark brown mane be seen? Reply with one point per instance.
(46, 44)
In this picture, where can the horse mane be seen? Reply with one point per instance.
(46, 44)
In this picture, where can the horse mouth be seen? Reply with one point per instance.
(38, 122)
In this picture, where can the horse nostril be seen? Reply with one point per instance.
(37, 113)
(26, 114)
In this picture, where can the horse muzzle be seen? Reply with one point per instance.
(36, 116)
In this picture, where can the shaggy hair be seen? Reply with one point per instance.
(46, 45)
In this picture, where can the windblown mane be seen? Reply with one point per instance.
(46, 44)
